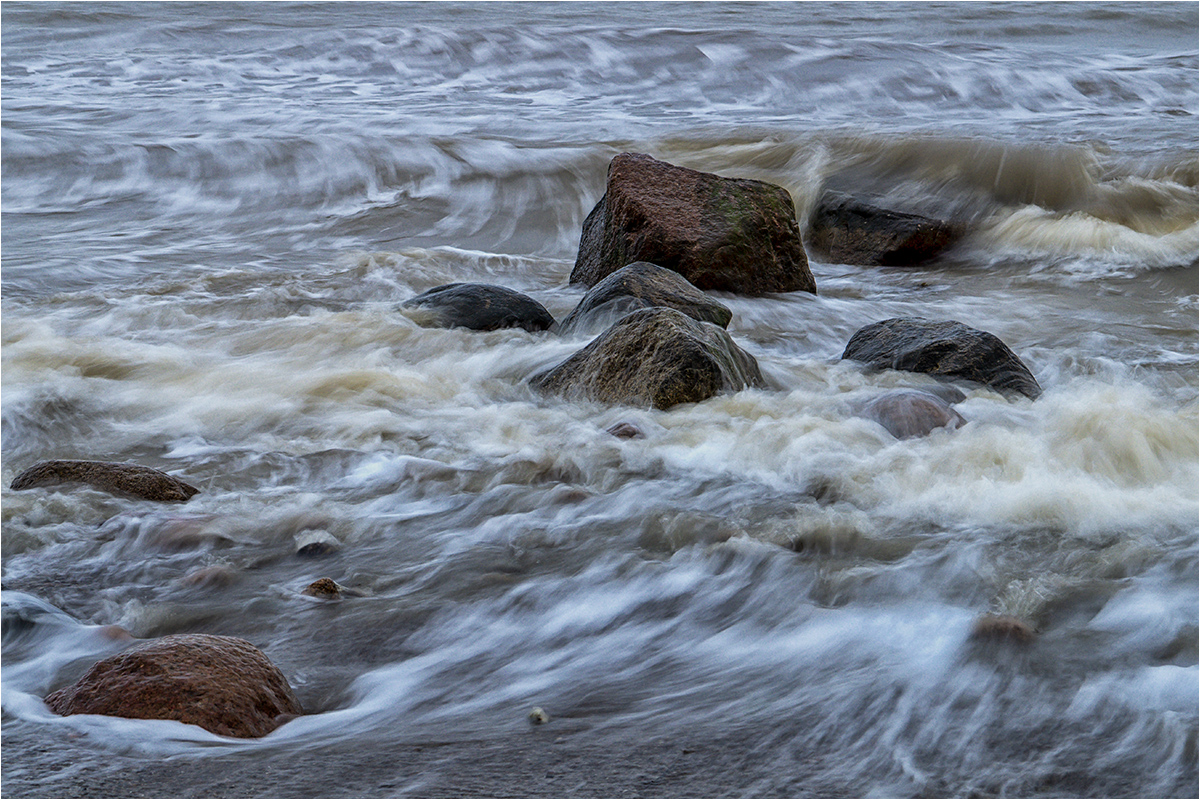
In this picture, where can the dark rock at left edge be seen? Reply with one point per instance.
(130, 480)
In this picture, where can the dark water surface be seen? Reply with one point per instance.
(212, 212)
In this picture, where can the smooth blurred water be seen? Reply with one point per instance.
(211, 213)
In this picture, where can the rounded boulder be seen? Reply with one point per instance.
(223, 684)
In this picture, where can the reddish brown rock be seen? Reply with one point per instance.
(224, 685)
(722, 234)
(124, 479)
(656, 357)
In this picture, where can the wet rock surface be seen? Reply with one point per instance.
(223, 684)
(946, 348)
(909, 413)
(656, 357)
(479, 307)
(644, 285)
(323, 589)
(130, 480)
(850, 230)
(1003, 627)
(723, 234)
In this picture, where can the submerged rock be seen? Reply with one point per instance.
(316, 543)
(1003, 627)
(944, 348)
(655, 357)
(626, 430)
(480, 307)
(851, 231)
(644, 285)
(123, 479)
(908, 413)
(225, 685)
(723, 234)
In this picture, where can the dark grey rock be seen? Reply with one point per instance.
(642, 285)
(480, 307)
(849, 230)
(947, 348)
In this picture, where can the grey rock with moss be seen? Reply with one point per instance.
(656, 357)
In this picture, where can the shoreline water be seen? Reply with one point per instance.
(212, 218)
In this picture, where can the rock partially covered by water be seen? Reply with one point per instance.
(1003, 627)
(224, 685)
(130, 480)
(909, 413)
(625, 430)
(323, 589)
(654, 357)
(851, 231)
(946, 348)
(480, 307)
(722, 234)
(643, 285)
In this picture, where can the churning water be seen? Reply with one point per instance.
(212, 212)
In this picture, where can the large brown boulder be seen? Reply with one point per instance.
(655, 357)
(722, 234)
(224, 685)
(643, 285)
(479, 307)
(130, 480)
(944, 348)
(851, 231)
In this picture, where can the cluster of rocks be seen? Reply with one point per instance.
(659, 236)
(662, 233)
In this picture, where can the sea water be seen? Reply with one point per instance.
(212, 213)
